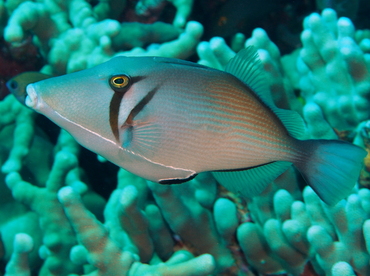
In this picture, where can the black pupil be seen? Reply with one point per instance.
(119, 81)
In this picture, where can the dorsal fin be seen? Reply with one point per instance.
(247, 66)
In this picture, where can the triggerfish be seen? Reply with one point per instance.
(167, 120)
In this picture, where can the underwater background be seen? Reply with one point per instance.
(65, 211)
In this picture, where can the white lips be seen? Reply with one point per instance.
(31, 99)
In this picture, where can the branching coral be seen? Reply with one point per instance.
(197, 228)
(18, 265)
(334, 71)
(74, 35)
(100, 247)
(310, 230)
(129, 233)
(57, 239)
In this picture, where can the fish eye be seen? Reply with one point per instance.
(13, 84)
(119, 83)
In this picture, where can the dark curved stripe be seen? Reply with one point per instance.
(143, 102)
(114, 110)
(113, 113)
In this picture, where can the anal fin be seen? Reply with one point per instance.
(253, 181)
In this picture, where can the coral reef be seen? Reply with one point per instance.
(74, 35)
(54, 222)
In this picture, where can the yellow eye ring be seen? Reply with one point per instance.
(119, 81)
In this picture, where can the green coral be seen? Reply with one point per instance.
(73, 35)
(50, 216)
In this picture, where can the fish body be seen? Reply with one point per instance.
(167, 120)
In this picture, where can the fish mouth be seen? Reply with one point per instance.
(31, 98)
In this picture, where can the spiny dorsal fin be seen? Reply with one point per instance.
(247, 66)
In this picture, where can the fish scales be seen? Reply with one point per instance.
(245, 135)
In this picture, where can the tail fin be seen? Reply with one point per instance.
(332, 168)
